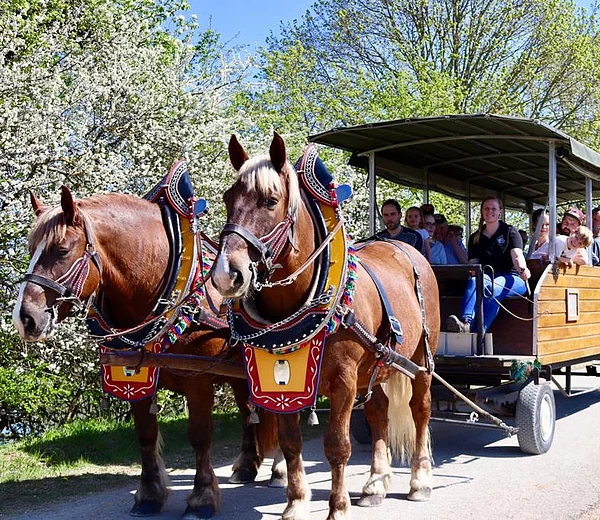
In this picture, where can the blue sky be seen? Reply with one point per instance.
(251, 20)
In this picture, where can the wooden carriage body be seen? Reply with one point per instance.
(527, 164)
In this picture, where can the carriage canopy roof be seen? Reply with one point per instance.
(479, 154)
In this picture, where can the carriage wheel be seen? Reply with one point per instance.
(359, 427)
(536, 418)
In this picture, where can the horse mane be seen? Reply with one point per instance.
(258, 174)
(51, 225)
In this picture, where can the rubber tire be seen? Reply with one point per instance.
(536, 418)
(359, 427)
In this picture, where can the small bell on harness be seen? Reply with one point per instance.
(104, 403)
(153, 406)
(254, 418)
(313, 420)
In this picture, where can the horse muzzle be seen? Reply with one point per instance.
(34, 322)
(231, 278)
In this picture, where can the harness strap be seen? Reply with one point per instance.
(204, 318)
(46, 282)
(394, 323)
(384, 353)
(261, 247)
(429, 363)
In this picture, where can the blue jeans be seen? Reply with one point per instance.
(504, 285)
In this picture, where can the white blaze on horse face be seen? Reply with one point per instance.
(231, 280)
(16, 315)
(221, 275)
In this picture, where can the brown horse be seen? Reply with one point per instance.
(128, 236)
(266, 192)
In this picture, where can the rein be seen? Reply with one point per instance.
(70, 285)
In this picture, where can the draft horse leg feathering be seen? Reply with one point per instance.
(84, 256)
(273, 283)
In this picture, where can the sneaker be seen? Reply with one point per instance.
(453, 324)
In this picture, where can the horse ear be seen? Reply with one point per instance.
(237, 154)
(68, 205)
(277, 152)
(36, 204)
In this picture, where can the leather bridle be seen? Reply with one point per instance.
(70, 285)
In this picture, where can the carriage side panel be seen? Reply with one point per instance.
(568, 309)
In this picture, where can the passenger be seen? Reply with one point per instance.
(596, 232)
(456, 252)
(572, 219)
(498, 245)
(427, 209)
(414, 220)
(441, 227)
(540, 248)
(437, 253)
(580, 238)
(392, 216)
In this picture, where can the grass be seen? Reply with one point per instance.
(90, 456)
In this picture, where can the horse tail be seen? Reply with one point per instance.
(267, 433)
(401, 427)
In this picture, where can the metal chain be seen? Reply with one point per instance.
(323, 299)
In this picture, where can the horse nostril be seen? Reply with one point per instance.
(236, 278)
(26, 319)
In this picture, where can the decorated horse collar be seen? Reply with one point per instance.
(322, 198)
(175, 196)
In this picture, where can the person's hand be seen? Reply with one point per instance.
(525, 273)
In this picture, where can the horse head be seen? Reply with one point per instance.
(60, 277)
(262, 207)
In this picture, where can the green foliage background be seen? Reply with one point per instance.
(102, 95)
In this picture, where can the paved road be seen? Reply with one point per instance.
(478, 474)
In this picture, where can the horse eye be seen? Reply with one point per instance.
(270, 203)
(62, 250)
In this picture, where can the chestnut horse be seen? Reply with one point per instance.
(128, 235)
(265, 193)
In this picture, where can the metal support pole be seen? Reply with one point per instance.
(552, 199)
(588, 212)
(479, 306)
(372, 195)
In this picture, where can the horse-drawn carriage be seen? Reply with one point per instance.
(295, 287)
(526, 163)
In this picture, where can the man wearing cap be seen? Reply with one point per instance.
(392, 218)
(572, 219)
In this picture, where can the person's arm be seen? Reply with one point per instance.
(518, 259)
(580, 257)
(427, 248)
(459, 249)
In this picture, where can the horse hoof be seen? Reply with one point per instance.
(370, 501)
(199, 513)
(242, 476)
(278, 482)
(420, 495)
(146, 508)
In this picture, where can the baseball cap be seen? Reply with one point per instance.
(575, 212)
(440, 219)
